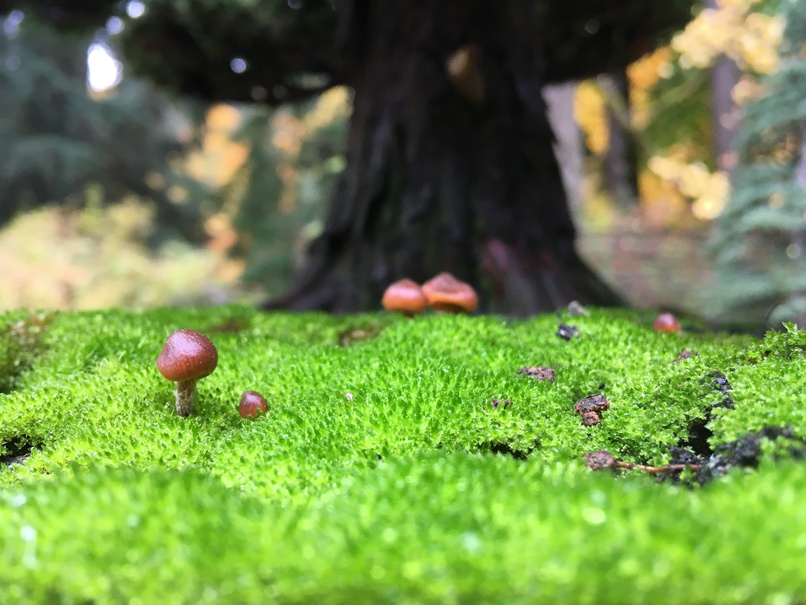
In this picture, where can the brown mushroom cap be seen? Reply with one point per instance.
(404, 295)
(666, 322)
(187, 355)
(446, 293)
(252, 402)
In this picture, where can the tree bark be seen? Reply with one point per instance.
(450, 165)
(568, 145)
(724, 75)
(621, 159)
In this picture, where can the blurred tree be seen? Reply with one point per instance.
(760, 240)
(55, 139)
(724, 75)
(690, 111)
(449, 161)
(621, 158)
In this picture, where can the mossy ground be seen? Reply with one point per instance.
(412, 488)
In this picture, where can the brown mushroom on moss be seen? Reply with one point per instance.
(188, 356)
(252, 405)
(404, 296)
(446, 293)
(666, 322)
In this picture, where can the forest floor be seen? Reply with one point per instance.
(439, 459)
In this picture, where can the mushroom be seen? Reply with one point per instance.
(252, 404)
(405, 296)
(446, 293)
(666, 322)
(187, 356)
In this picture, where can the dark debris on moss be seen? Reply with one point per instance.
(745, 452)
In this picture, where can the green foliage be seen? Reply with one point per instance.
(56, 141)
(187, 46)
(104, 255)
(412, 488)
(760, 239)
(681, 113)
(759, 401)
(272, 234)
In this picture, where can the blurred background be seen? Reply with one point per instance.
(113, 193)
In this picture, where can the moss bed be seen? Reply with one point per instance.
(401, 461)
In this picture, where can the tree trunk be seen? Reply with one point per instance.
(450, 165)
(724, 75)
(621, 159)
(568, 144)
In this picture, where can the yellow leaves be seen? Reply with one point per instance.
(749, 38)
(646, 71)
(706, 37)
(591, 115)
(643, 75)
(333, 105)
(747, 88)
(220, 157)
(99, 257)
(287, 133)
(221, 232)
(709, 191)
(758, 43)
(222, 118)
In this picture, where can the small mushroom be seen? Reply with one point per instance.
(666, 322)
(252, 405)
(187, 356)
(446, 293)
(405, 296)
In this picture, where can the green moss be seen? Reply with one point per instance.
(769, 387)
(433, 528)
(374, 476)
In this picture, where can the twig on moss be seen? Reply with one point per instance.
(604, 460)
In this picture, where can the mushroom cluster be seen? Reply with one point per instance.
(404, 296)
(442, 292)
(447, 294)
(187, 357)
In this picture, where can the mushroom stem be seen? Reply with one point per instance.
(185, 397)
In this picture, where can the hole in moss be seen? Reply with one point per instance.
(747, 451)
(744, 452)
(350, 336)
(698, 435)
(17, 449)
(698, 431)
(500, 447)
(20, 343)
(230, 326)
(721, 384)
